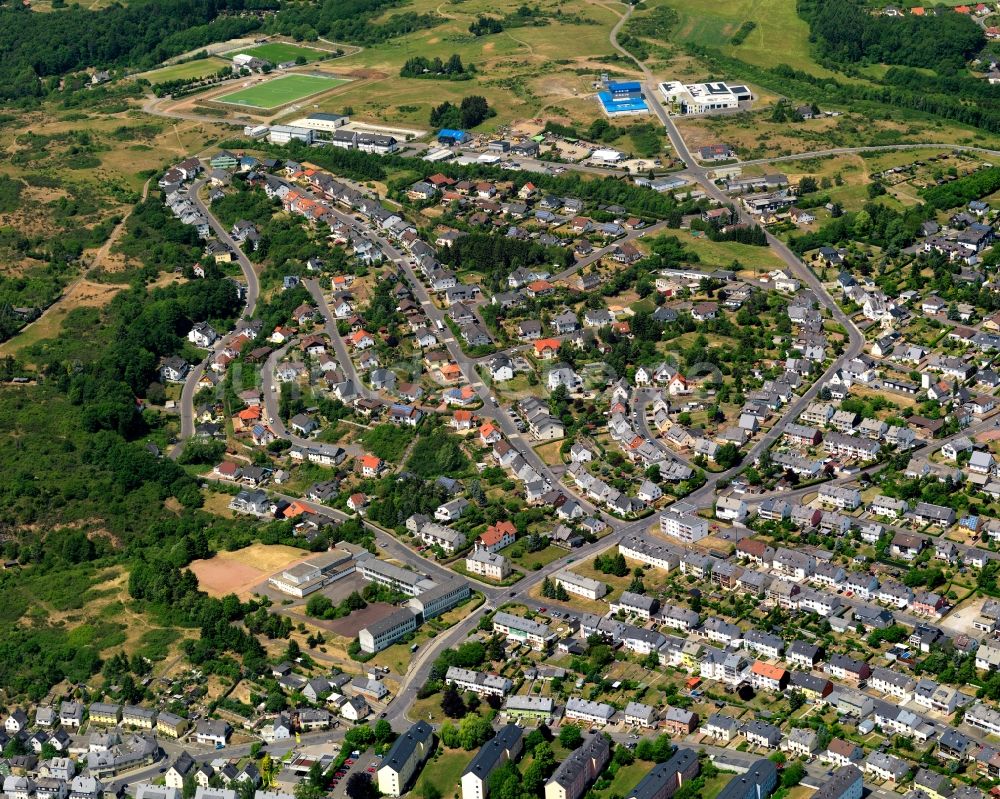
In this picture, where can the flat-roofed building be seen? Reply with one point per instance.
(687, 527)
(386, 631)
(704, 98)
(389, 574)
(317, 572)
(439, 599)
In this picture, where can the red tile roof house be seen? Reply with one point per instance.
(489, 433)
(497, 536)
(227, 470)
(754, 550)
(370, 465)
(547, 347)
(462, 420)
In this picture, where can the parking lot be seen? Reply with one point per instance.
(366, 764)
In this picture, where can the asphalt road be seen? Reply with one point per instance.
(705, 496)
(330, 326)
(253, 292)
(423, 660)
(596, 256)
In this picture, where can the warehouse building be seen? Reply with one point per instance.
(705, 98)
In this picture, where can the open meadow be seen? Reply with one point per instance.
(714, 24)
(198, 68)
(545, 69)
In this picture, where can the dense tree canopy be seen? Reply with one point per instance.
(34, 45)
(849, 33)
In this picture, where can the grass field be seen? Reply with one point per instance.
(199, 68)
(532, 561)
(279, 91)
(443, 772)
(722, 253)
(712, 24)
(280, 52)
(522, 72)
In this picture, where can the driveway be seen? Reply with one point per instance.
(368, 760)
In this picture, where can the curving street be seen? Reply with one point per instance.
(253, 292)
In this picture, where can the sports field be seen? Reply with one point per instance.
(199, 68)
(279, 91)
(280, 52)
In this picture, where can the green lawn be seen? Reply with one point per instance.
(444, 773)
(280, 52)
(626, 779)
(781, 36)
(199, 68)
(387, 441)
(722, 253)
(528, 560)
(279, 91)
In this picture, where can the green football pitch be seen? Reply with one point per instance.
(280, 91)
(279, 52)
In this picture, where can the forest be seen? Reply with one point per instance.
(472, 111)
(959, 192)
(348, 20)
(76, 451)
(965, 105)
(36, 46)
(420, 67)
(502, 255)
(849, 33)
(875, 224)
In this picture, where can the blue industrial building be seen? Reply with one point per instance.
(450, 137)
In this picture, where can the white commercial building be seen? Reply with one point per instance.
(703, 98)
(384, 632)
(282, 134)
(686, 527)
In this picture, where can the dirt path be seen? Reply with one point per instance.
(79, 293)
(523, 44)
(102, 253)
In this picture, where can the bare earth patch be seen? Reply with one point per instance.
(81, 294)
(238, 572)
